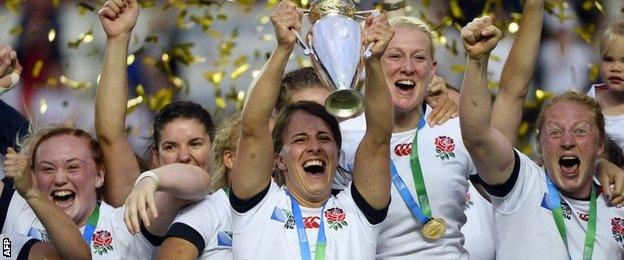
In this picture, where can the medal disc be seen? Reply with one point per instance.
(434, 229)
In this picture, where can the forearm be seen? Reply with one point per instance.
(475, 102)
(183, 181)
(112, 93)
(518, 72)
(264, 91)
(378, 103)
(62, 230)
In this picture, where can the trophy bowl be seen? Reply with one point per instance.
(336, 42)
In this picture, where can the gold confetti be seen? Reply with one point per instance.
(586, 32)
(513, 27)
(13, 5)
(239, 71)
(267, 37)
(220, 102)
(594, 72)
(455, 9)
(130, 59)
(264, 19)
(151, 39)
(74, 84)
(165, 57)
(51, 35)
(241, 95)
(177, 82)
(86, 37)
(86, 6)
(132, 104)
(17, 30)
(255, 73)
(43, 106)
(159, 100)
(36, 71)
(214, 77)
(524, 128)
(458, 68)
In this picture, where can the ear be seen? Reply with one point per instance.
(154, 154)
(228, 159)
(99, 176)
(279, 162)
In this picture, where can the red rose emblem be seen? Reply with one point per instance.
(618, 225)
(335, 215)
(102, 238)
(444, 144)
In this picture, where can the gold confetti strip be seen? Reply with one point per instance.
(220, 102)
(43, 106)
(85, 7)
(588, 5)
(86, 37)
(493, 85)
(524, 128)
(264, 19)
(594, 72)
(13, 5)
(267, 37)
(16, 31)
(204, 21)
(222, 17)
(214, 77)
(458, 68)
(586, 32)
(456, 11)
(151, 39)
(132, 104)
(159, 100)
(177, 82)
(239, 71)
(513, 27)
(74, 84)
(51, 35)
(130, 59)
(147, 3)
(36, 71)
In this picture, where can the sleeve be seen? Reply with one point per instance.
(16, 246)
(242, 220)
(12, 126)
(523, 183)
(374, 216)
(134, 246)
(194, 224)
(5, 202)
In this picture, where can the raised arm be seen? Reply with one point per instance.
(518, 72)
(63, 231)
(490, 150)
(117, 18)
(174, 182)
(371, 174)
(252, 168)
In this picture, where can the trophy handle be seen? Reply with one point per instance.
(374, 13)
(306, 50)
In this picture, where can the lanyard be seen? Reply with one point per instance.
(590, 236)
(304, 247)
(87, 234)
(422, 210)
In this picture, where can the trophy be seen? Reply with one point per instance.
(335, 47)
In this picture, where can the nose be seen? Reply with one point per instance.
(60, 177)
(184, 156)
(407, 66)
(567, 141)
(313, 145)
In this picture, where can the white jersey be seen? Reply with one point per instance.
(479, 228)
(16, 246)
(446, 168)
(110, 240)
(207, 224)
(268, 231)
(614, 124)
(527, 229)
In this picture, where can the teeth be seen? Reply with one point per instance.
(62, 193)
(568, 157)
(405, 82)
(313, 163)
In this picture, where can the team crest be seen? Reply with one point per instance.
(40, 234)
(567, 211)
(284, 216)
(336, 218)
(617, 228)
(102, 242)
(224, 238)
(445, 147)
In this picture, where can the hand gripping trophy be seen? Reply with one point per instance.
(335, 47)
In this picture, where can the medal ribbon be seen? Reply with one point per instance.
(557, 212)
(421, 211)
(304, 247)
(87, 234)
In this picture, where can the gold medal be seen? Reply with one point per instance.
(434, 229)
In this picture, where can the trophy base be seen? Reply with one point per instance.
(345, 103)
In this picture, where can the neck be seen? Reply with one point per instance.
(83, 220)
(406, 120)
(309, 201)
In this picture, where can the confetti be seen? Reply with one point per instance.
(51, 35)
(36, 71)
(43, 106)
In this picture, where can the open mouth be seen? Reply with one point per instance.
(314, 167)
(62, 197)
(405, 84)
(569, 164)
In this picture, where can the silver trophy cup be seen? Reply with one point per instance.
(335, 41)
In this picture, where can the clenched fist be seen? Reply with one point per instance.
(118, 17)
(480, 37)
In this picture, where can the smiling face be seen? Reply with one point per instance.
(67, 172)
(612, 65)
(570, 142)
(309, 157)
(409, 66)
(184, 141)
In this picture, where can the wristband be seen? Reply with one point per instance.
(147, 174)
(15, 78)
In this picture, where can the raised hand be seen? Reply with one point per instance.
(118, 17)
(8, 65)
(16, 167)
(141, 199)
(480, 37)
(440, 98)
(286, 17)
(377, 30)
